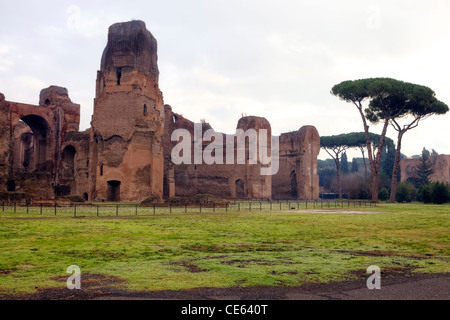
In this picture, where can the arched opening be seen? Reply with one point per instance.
(294, 190)
(411, 171)
(113, 191)
(240, 189)
(30, 144)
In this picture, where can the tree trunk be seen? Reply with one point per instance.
(373, 171)
(338, 174)
(396, 167)
(374, 163)
(377, 162)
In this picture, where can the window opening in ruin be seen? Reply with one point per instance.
(85, 196)
(113, 190)
(68, 162)
(145, 110)
(47, 102)
(240, 192)
(10, 185)
(119, 75)
(101, 169)
(294, 192)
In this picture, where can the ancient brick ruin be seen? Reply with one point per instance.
(440, 165)
(126, 154)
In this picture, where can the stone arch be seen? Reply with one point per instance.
(37, 149)
(410, 171)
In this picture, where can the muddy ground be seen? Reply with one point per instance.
(395, 285)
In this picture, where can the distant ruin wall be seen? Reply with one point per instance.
(440, 165)
(297, 177)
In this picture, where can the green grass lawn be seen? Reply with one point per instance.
(182, 251)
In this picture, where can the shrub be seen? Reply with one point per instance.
(178, 201)
(440, 193)
(383, 194)
(204, 198)
(11, 197)
(437, 192)
(154, 198)
(425, 193)
(405, 192)
(75, 198)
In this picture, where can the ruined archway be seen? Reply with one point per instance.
(31, 135)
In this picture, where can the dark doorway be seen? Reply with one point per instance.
(294, 191)
(119, 75)
(113, 191)
(68, 162)
(11, 185)
(240, 191)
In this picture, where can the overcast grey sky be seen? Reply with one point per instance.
(219, 59)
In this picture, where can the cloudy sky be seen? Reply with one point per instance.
(221, 59)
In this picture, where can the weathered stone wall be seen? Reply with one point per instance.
(37, 132)
(297, 177)
(440, 166)
(74, 168)
(219, 179)
(127, 125)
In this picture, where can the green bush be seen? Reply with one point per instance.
(383, 194)
(440, 193)
(405, 192)
(437, 192)
(425, 193)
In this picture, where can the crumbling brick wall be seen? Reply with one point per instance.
(126, 160)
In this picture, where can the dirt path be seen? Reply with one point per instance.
(394, 286)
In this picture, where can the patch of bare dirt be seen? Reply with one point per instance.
(97, 286)
(189, 266)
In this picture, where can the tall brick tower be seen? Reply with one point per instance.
(126, 158)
